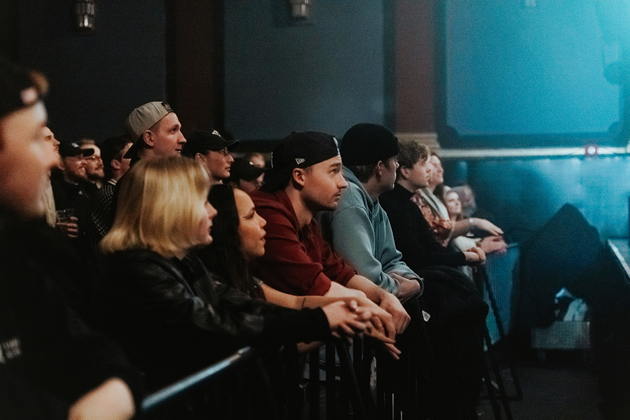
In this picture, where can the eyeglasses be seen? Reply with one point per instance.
(93, 157)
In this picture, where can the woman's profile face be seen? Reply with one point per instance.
(202, 233)
(453, 204)
(251, 226)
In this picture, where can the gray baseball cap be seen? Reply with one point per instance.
(143, 118)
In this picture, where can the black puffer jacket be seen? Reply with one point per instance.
(173, 318)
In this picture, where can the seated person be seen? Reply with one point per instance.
(246, 176)
(51, 365)
(159, 301)
(239, 238)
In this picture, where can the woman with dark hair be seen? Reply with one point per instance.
(239, 238)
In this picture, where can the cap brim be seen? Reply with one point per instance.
(86, 152)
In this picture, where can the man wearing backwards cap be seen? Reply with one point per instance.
(213, 151)
(305, 178)
(49, 360)
(359, 229)
(155, 131)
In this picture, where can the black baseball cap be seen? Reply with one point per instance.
(298, 150)
(73, 149)
(203, 140)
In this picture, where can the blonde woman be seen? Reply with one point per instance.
(171, 316)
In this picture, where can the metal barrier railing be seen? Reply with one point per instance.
(181, 389)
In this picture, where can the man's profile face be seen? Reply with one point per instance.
(26, 159)
(324, 184)
(166, 138)
(419, 174)
(388, 179)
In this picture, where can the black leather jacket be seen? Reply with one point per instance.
(173, 318)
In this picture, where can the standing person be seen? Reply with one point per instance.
(428, 196)
(94, 165)
(359, 228)
(49, 197)
(412, 233)
(455, 305)
(213, 151)
(246, 176)
(51, 365)
(305, 177)
(238, 234)
(100, 206)
(158, 299)
(155, 131)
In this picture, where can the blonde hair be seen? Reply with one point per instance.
(159, 206)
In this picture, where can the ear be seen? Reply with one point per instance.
(199, 157)
(380, 167)
(404, 172)
(147, 136)
(298, 177)
(115, 163)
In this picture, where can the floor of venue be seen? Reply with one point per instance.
(563, 386)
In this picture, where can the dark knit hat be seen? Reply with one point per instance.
(19, 87)
(365, 144)
(298, 150)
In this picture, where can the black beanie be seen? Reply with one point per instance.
(365, 144)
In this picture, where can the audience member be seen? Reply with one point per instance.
(489, 244)
(53, 367)
(69, 190)
(432, 195)
(49, 199)
(256, 159)
(246, 176)
(305, 177)
(213, 151)
(100, 206)
(359, 229)
(160, 302)
(456, 307)
(431, 207)
(94, 166)
(155, 131)
(412, 233)
(238, 234)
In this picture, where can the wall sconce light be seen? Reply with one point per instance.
(84, 12)
(300, 9)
